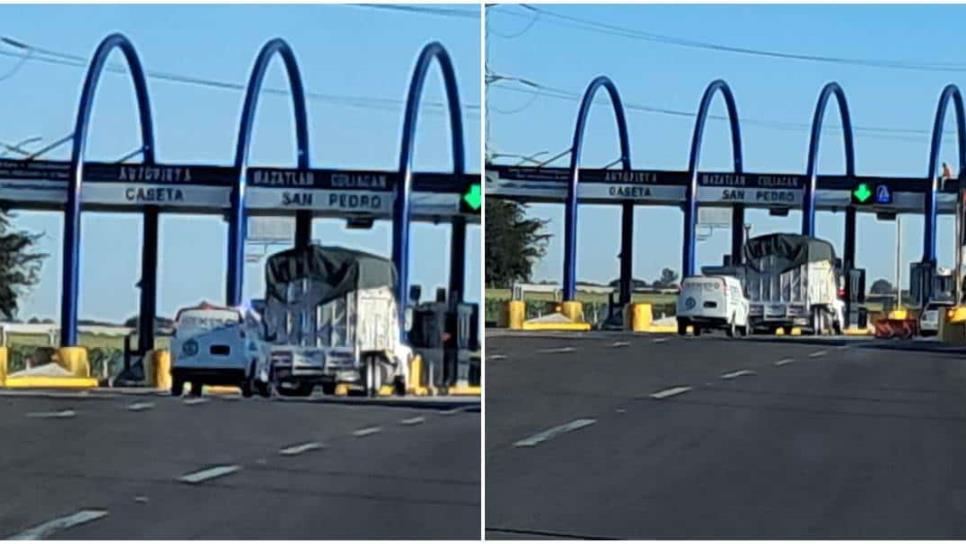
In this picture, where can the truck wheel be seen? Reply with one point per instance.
(177, 387)
(196, 388)
(247, 388)
(697, 330)
(328, 388)
(264, 389)
(682, 327)
(732, 330)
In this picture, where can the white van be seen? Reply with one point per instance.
(712, 302)
(218, 345)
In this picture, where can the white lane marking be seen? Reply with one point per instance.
(140, 406)
(660, 340)
(46, 529)
(665, 393)
(783, 362)
(63, 414)
(367, 431)
(567, 349)
(620, 344)
(736, 374)
(819, 353)
(495, 357)
(413, 420)
(300, 448)
(194, 401)
(209, 473)
(543, 436)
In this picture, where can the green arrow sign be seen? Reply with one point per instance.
(862, 193)
(473, 197)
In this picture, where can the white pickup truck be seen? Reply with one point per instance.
(219, 345)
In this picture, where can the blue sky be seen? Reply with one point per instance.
(670, 76)
(342, 50)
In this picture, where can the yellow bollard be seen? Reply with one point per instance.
(899, 313)
(780, 331)
(417, 371)
(573, 309)
(74, 360)
(517, 310)
(641, 316)
(3, 365)
(161, 368)
(952, 325)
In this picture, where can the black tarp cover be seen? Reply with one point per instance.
(795, 249)
(336, 271)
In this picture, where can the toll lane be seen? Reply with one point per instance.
(233, 468)
(856, 442)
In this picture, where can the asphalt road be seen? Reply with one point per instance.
(107, 465)
(632, 436)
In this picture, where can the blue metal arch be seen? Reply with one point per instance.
(570, 217)
(950, 92)
(72, 212)
(811, 177)
(401, 204)
(238, 213)
(691, 193)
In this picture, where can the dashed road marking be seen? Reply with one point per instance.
(660, 340)
(194, 401)
(140, 406)
(63, 414)
(783, 362)
(819, 353)
(665, 393)
(413, 420)
(567, 349)
(208, 474)
(495, 357)
(46, 529)
(300, 448)
(367, 431)
(543, 436)
(620, 344)
(737, 374)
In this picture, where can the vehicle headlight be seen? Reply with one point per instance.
(189, 348)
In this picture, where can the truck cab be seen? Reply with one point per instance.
(218, 345)
(712, 302)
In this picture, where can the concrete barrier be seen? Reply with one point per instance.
(516, 314)
(74, 360)
(952, 325)
(638, 316)
(573, 310)
(160, 368)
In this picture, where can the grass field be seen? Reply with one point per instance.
(595, 304)
(104, 352)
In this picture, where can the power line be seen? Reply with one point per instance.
(529, 86)
(435, 10)
(626, 32)
(39, 54)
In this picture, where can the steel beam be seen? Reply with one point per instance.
(401, 206)
(691, 192)
(570, 213)
(808, 204)
(72, 211)
(237, 216)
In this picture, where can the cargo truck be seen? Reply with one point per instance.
(790, 280)
(331, 318)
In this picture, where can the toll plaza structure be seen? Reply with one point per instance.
(240, 191)
(739, 190)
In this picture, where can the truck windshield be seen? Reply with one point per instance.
(192, 322)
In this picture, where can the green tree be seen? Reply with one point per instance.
(20, 264)
(513, 242)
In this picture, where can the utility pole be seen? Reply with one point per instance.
(958, 269)
(898, 262)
